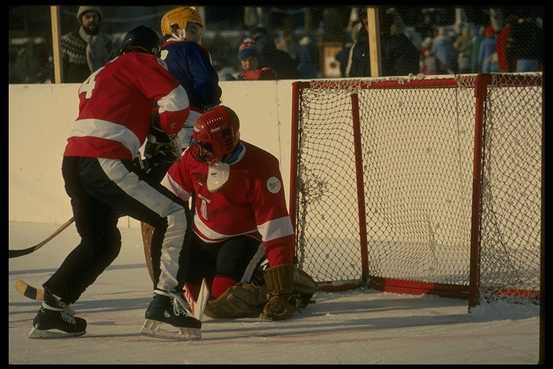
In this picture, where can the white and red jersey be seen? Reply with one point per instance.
(250, 202)
(116, 103)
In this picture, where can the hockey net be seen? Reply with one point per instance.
(429, 185)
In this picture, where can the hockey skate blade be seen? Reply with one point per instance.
(37, 333)
(154, 328)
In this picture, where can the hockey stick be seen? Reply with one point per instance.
(29, 291)
(203, 296)
(28, 250)
(37, 294)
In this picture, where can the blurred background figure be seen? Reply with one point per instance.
(463, 45)
(428, 60)
(308, 58)
(504, 51)
(85, 49)
(526, 42)
(399, 56)
(342, 55)
(444, 51)
(247, 54)
(475, 53)
(269, 56)
(358, 59)
(487, 58)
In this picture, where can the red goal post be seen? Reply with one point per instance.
(419, 185)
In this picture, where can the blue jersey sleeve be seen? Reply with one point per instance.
(189, 63)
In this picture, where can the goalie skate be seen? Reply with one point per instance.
(168, 317)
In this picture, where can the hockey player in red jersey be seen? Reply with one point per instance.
(104, 183)
(239, 203)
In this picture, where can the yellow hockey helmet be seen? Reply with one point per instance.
(180, 16)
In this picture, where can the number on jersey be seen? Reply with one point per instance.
(88, 85)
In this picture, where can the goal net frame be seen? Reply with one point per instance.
(479, 85)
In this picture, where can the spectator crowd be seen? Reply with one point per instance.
(504, 43)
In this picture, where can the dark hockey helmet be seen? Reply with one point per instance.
(216, 134)
(141, 38)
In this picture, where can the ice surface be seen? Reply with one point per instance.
(356, 327)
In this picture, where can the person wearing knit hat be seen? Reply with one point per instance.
(90, 17)
(86, 49)
(247, 54)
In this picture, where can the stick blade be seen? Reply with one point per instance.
(203, 296)
(29, 291)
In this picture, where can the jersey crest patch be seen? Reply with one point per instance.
(274, 185)
(163, 63)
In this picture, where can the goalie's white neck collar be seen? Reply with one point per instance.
(236, 155)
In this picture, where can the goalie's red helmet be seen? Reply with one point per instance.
(216, 133)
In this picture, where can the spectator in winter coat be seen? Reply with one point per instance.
(308, 58)
(463, 44)
(399, 56)
(487, 58)
(249, 62)
(445, 53)
(358, 59)
(504, 53)
(527, 45)
(269, 56)
(428, 61)
(86, 49)
(476, 42)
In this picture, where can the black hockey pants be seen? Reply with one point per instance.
(101, 191)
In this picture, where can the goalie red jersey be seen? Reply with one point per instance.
(251, 201)
(115, 104)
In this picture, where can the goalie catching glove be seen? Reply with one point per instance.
(240, 301)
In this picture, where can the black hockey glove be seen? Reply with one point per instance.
(160, 148)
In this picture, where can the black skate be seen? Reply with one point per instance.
(170, 308)
(55, 320)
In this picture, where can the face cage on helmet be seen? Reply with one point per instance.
(202, 152)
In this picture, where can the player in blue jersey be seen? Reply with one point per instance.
(189, 63)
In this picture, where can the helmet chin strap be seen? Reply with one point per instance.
(178, 35)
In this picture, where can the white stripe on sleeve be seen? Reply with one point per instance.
(173, 186)
(174, 101)
(108, 130)
(276, 228)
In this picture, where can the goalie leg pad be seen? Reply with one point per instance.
(243, 300)
(280, 287)
(304, 287)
